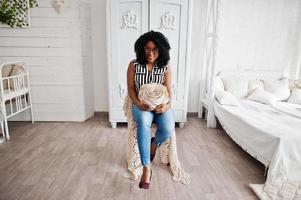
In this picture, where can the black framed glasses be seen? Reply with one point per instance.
(149, 50)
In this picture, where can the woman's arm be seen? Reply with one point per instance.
(132, 90)
(168, 83)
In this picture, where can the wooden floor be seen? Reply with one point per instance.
(86, 160)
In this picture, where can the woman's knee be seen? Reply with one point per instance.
(169, 128)
(162, 135)
(168, 117)
(166, 123)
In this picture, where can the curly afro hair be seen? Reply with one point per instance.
(160, 41)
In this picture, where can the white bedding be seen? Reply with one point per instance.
(270, 133)
(14, 93)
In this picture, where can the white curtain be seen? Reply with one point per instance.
(209, 59)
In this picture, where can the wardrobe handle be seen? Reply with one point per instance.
(122, 91)
(174, 90)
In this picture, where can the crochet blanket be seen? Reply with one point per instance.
(167, 150)
(278, 191)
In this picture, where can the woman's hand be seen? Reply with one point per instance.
(144, 106)
(162, 108)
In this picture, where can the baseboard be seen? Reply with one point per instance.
(192, 114)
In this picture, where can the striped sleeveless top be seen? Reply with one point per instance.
(144, 76)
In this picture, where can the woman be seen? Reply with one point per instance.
(150, 66)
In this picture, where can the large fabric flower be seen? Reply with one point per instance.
(154, 94)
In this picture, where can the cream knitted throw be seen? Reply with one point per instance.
(167, 150)
(289, 190)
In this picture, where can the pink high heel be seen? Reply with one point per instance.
(144, 185)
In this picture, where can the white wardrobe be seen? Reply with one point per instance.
(126, 21)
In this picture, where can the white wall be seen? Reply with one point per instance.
(56, 59)
(259, 34)
(99, 54)
(86, 52)
(298, 52)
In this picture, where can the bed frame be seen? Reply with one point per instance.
(16, 98)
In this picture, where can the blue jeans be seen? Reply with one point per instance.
(165, 126)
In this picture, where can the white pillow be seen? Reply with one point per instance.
(280, 88)
(218, 83)
(226, 98)
(6, 70)
(295, 96)
(263, 96)
(237, 85)
(253, 85)
(295, 84)
(17, 69)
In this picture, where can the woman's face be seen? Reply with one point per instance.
(151, 52)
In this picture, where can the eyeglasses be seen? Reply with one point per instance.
(149, 50)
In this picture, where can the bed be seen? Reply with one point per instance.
(270, 133)
(261, 112)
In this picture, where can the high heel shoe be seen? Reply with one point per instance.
(144, 185)
(152, 156)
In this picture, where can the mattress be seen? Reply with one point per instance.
(272, 134)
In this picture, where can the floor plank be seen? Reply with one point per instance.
(86, 161)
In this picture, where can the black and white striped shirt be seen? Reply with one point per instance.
(144, 76)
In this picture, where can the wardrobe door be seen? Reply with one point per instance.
(171, 18)
(126, 21)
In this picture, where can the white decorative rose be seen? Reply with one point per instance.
(154, 94)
